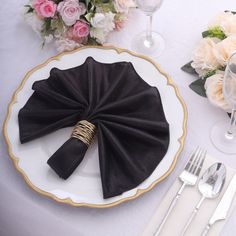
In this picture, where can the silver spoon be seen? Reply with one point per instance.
(210, 186)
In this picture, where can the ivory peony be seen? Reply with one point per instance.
(224, 49)
(214, 91)
(204, 58)
(226, 21)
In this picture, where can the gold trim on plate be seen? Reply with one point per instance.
(68, 200)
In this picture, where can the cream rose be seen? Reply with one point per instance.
(71, 10)
(204, 59)
(214, 91)
(224, 49)
(226, 21)
(122, 6)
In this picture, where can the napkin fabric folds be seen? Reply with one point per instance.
(132, 131)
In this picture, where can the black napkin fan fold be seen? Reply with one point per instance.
(132, 131)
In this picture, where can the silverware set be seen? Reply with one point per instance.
(210, 186)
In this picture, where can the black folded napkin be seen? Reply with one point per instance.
(132, 131)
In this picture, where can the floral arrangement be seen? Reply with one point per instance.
(74, 23)
(210, 58)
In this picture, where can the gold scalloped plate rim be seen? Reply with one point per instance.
(69, 201)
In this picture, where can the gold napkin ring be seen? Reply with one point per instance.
(84, 131)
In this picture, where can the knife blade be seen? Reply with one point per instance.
(223, 207)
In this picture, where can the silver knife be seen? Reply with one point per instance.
(223, 207)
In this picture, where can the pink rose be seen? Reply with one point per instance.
(80, 29)
(45, 8)
(71, 10)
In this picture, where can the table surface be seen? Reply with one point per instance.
(25, 212)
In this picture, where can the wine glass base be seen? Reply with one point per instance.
(219, 140)
(154, 47)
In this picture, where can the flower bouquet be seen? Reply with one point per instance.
(74, 23)
(210, 58)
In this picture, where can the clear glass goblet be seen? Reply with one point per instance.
(223, 135)
(149, 42)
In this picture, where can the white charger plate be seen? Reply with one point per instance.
(84, 188)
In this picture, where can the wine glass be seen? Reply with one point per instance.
(149, 42)
(223, 135)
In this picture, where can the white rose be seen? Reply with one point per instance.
(122, 6)
(214, 91)
(226, 21)
(204, 59)
(224, 49)
(33, 20)
(71, 10)
(98, 21)
(65, 44)
(103, 21)
(99, 34)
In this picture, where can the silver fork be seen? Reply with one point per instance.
(188, 177)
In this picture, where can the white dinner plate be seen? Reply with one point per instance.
(84, 188)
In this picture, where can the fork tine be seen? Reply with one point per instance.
(197, 157)
(193, 154)
(201, 154)
(196, 164)
(201, 164)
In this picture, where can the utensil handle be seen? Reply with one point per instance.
(205, 231)
(194, 212)
(171, 207)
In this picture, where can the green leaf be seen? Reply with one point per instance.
(92, 41)
(57, 1)
(209, 74)
(47, 27)
(233, 12)
(222, 68)
(57, 24)
(214, 32)
(87, 2)
(88, 16)
(213, 72)
(189, 69)
(30, 9)
(205, 34)
(104, 5)
(47, 24)
(198, 87)
(43, 44)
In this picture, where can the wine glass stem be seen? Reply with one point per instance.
(230, 132)
(148, 40)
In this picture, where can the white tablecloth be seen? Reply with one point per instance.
(25, 212)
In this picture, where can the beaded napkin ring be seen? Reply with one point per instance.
(84, 131)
